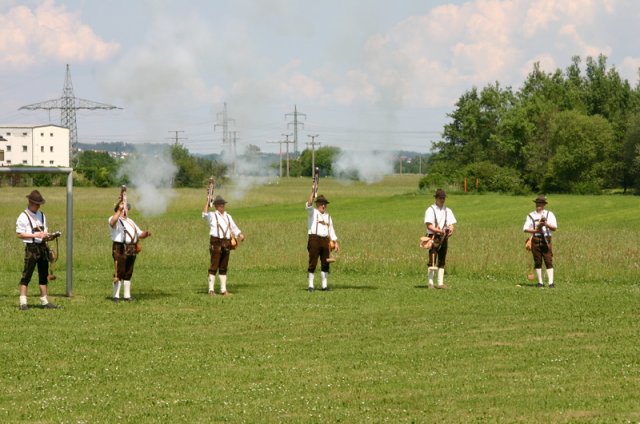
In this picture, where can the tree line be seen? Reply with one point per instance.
(565, 132)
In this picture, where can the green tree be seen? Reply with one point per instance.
(631, 178)
(189, 173)
(324, 158)
(99, 168)
(583, 157)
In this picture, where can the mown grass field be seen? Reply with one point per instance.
(380, 347)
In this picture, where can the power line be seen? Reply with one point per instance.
(295, 124)
(68, 104)
(313, 151)
(176, 138)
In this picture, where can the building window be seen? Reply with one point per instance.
(51, 134)
(25, 134)
(24, 162)
(9, 162)
(42, 148)
(51, 148)
(50, 162)
(42, 162)
(41, 134)
(24, 148)
(8, 148)
(8, 133)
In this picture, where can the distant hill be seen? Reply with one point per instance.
(121, 147)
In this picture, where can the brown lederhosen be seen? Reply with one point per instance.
(35, 254)
(219, 248)
(124, 256)
(318, 247)
(542, 250)
(439, 254)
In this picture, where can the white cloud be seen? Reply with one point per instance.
(629, 68)
(48, 32)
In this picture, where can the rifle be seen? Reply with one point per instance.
(123, 200)
(210, 188)
(316, 179)
(52, 254)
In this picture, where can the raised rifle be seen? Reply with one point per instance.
(316, 179)
(212, 184)
(123, 200)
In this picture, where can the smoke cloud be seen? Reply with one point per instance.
(367, 166)
(151, 173)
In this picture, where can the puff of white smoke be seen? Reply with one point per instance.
(247, 171)
(151, 174)
(367, 166)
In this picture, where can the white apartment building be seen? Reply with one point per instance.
(34, 145)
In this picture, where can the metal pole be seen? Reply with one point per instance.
(70, 234)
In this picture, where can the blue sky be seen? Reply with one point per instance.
(368, 74)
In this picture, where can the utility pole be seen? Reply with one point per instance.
(295, 124)
(234, 152)
(68, 104)
(280, 143)
(313, 152)
(287, 142)
(223, 121)
(176, 138)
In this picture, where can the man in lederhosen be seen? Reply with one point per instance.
(321, 235)
(125, 235)
(541, 224)
(440, 223)
(221, 229)
(31, 227)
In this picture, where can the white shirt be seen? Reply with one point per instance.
(319, 223)
(118, 233)
(28, 219)
(531, 222)
(440, 217)
(221, 225)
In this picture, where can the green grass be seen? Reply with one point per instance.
(378, 348)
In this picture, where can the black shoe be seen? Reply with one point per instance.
(50, 306)
(325, 289)
(552, 286)
(129, 299)
(311, 289)
(115, 299)
(539, 285)
(24, 307)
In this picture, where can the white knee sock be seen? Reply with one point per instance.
(127, 289)
(539, 274)
(44, 300)
(116, 289)
(430, 277)
(212, 279)
(23, 300)
(223, 283)
(324, 275)
(440, 276)
(550, 276)
(311, 280)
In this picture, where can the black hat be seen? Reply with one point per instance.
(322, 199)
(541, 199)
(440, 193)
(219, 200)
(35, 197)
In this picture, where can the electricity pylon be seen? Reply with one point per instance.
(68, 104)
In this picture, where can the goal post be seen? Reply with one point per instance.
(69, 235)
